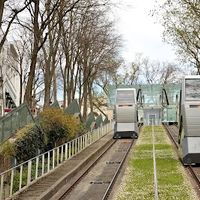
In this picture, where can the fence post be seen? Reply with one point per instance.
(61, 153)
(69, 149)
(36, 167)
(58, 151)
(48, 161)
(84, 141)
(66, 150)
(11, 181)
(53, 160)
(1, 187)
(20, 177)
(42, 164)
(29, 172)
(81, 143)
(76, 145)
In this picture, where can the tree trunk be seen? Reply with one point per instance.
(54, 87)
(1, 10)
(75, 83)
(21, 86)
(85, 90)
(28, 93)
(64, 88)
(47, 90)
(80, 88)
(90, 96)
(68, 83)
(85, 95)
(31, 77)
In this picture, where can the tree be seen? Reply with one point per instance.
(98, 46)
(181, 21)
(7, 18)
(72, 38)
(41, 19)
(90, 49)
(154, 72)
(145, 71)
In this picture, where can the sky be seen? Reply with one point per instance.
(140, 31)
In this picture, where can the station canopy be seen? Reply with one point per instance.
(154, 97)
(152, 94)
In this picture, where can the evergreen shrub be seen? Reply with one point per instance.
(58, 127)
(54, 128)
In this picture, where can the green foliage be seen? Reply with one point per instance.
(6, 149)
(22, 132)
(17, 179)
(25, 173)
(181, 20)
(29, 142)
(58, 126)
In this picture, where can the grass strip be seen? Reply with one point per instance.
(138, 180)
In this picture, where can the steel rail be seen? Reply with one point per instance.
(189, 168)
(67, 191)
(170, 135)
(110, 186)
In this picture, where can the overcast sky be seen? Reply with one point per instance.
(140, 32)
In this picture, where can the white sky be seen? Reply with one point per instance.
(140, 32)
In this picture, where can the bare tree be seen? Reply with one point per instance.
(154, 72)
(41, 20)
(12, 11)
(85, 45)
(98, 44)
(50, 51)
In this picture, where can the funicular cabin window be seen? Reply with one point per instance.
(125, 97)
(192, 89)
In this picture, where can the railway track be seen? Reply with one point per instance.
(97, 181)
(194, 171)
(172, 131)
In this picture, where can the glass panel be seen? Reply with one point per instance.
(192, 89)
(152, 119)
(13, 121)
(125, 96)
(151, 94)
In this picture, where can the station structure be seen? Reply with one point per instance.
(156, 103)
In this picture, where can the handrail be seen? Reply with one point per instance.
(139, 97)
(21, 176)
(166, 97)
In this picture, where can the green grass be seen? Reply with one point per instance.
(139, 179)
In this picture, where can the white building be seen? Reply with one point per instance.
(10, 92)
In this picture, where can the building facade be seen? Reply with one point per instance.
(9, 79)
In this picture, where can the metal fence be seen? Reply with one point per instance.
(21, 176)
(13, 121)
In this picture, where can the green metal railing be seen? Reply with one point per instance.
(13, 121)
